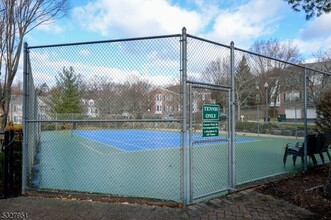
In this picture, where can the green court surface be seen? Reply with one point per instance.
(75, 163)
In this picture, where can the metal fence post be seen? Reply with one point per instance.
(24, 124)
(305, 121)
(185, 153)
(232, 158)
(190, 141)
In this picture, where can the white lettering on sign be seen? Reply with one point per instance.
(207, 108)
(210, 115)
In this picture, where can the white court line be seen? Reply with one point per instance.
(263, 140)
(85, 145)
(116, 141)
(91, 139)
(127, 143)
(252, 141)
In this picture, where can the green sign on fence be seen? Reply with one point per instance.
(210, 117)
(210, 129)
(210, 112)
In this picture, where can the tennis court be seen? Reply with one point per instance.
(137, 140)
(147, 163)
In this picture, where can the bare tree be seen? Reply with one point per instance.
(218, 72)
(18, 18)
(323, 63)
(17, 88)
(135, 97)
(317, 83)
(114, 99)
(271, 71)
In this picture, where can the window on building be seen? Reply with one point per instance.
(195, 106)
(292, 96)
(158, 97)
(169, 97)
(313, 96)
(159, 108)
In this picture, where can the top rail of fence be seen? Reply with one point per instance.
(179, 35)
(208, 41)
(260, 55)
(105, 41)
(286, 62)
(104, 120)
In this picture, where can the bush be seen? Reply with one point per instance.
(14, 127)
(273, 128)
(17, 146)
(323, 120)
(252, 127)
(1, 162)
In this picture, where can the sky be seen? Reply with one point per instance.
(223, 21)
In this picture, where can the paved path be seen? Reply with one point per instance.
(247, 204)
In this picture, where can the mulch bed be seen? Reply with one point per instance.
(304, 190)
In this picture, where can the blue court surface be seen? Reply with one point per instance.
(139, 140)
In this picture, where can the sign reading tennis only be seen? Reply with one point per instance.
(210, 112)
(210, 125)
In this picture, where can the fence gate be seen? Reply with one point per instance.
(209, 140)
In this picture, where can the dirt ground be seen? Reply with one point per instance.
(304, 190)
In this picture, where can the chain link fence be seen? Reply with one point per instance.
(209, 77)
(125, 117)
(275, 104)
(109, 120)
(32, 131)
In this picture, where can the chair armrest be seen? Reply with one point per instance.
(294, 148)
(299, 144)
(291, 145)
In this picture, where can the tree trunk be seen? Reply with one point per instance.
(239, 111)
(275, 102)
(3, 116)
(327, 187)
(4, 108)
